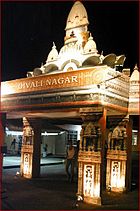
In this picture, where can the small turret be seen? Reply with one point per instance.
(53, 55)
(90, 46)
(135, 74)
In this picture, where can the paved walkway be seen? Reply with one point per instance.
(52, 191)
(14, 161)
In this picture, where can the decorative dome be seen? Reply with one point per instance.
(70, 66)
(63, 50)
(120, 60)
(53, 54)
(90, 46)
(135, 75)
(37, 71)
(109, 60)
(77, 16)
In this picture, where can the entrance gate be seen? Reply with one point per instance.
(90, 103)
(90, 87)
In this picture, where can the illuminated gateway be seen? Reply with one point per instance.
(80, 82)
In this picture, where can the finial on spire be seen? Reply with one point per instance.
(90, 36)
(54, 46)
(136, 67)
(101, 57)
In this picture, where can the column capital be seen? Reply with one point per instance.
(32, 121)
(91, 113)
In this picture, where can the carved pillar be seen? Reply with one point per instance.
(30, 151)
(80, 177)
(108, 173)
(128, 141)
(102, 122)
(89, 157)
(118, 156)
(99, 139)
(2, 128)
(3, 147)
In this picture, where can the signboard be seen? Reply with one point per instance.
(55, 81)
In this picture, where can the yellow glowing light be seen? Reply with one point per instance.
(17, 173)
(88, 180)
(97, 190)
(122, 182)
(117, 180)
(26, 167)
(6, 89)
(115, 174)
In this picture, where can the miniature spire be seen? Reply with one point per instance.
(136, 67)
(135, 74)
(42, 66)
(90, 37)
(90, 46)
(54, 46)
(53, 54)
(101, 57)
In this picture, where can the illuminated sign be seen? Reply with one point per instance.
(74, 78)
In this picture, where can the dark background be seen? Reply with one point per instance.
(29, 29)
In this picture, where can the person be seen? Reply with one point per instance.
(70, 159)
(19, 144)
(13, 145)
(45, 151)
(77, 152)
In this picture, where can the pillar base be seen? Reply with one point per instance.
(92, 200)
(114, 189)
(26, 161)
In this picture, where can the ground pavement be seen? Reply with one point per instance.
(52, 191)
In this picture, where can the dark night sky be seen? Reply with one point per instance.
(29, 29)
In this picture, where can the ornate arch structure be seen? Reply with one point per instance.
(102, 97)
